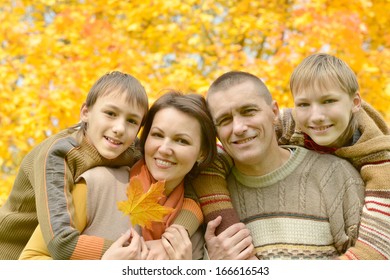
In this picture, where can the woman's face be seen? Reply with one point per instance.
(173, 146)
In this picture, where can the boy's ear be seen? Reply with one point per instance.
(84, 113)
(357, 102)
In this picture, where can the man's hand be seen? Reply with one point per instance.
(177, 243)
(234, 243)
(130, 246)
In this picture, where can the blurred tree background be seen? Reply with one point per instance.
(51, 52)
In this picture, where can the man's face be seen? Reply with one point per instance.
(245, 126)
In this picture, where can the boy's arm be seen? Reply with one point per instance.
(211, 188)
(374, 230)
(350, 207)
(36, 248)
(56, 168)
(286, 131)
(371, 156)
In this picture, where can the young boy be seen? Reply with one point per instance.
(331, 118)
(111, 118)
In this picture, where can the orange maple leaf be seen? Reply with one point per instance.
(143, 208)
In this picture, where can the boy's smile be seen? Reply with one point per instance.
(324, 114)
(113, 124)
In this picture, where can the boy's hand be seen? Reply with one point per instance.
(234, 243)
(130, 246)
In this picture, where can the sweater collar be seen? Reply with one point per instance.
(271, 178)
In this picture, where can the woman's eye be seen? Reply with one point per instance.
(182, 141)
(156, 134)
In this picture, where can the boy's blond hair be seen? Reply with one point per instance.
(322, 71)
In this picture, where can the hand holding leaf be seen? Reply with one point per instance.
(143, 208)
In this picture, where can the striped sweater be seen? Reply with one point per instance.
(309, 208)
(95, 199)
(370, 155)
(41, 192)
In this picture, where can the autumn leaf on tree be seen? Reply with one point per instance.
(143, 208)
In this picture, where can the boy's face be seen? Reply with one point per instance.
(324, 115)
(245, 127)
(113, 124)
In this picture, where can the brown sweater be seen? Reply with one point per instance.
(41, 192)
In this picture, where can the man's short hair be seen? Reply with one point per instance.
(234, 78)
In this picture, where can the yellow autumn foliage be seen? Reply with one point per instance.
(51, 52)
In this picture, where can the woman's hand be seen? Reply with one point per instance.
(130, 246)
(156, 250)
(177, 243)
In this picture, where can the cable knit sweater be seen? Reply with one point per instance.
(370, 155)
(309, 208)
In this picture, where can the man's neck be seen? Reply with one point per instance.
(273, 161)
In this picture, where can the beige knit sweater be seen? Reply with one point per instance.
(309, 208)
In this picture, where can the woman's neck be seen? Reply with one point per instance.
(171, 185)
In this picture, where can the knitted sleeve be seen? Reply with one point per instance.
(347, 189)
(64, 161)
(55, 210)
(374, 232)
(286, 131)
(190, 216)
(36, 248)
(371, 155)
(211, 188)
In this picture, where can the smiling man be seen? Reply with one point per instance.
(297, 204)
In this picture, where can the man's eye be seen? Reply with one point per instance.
(249, 111)
(302, 105)
(224, 121)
